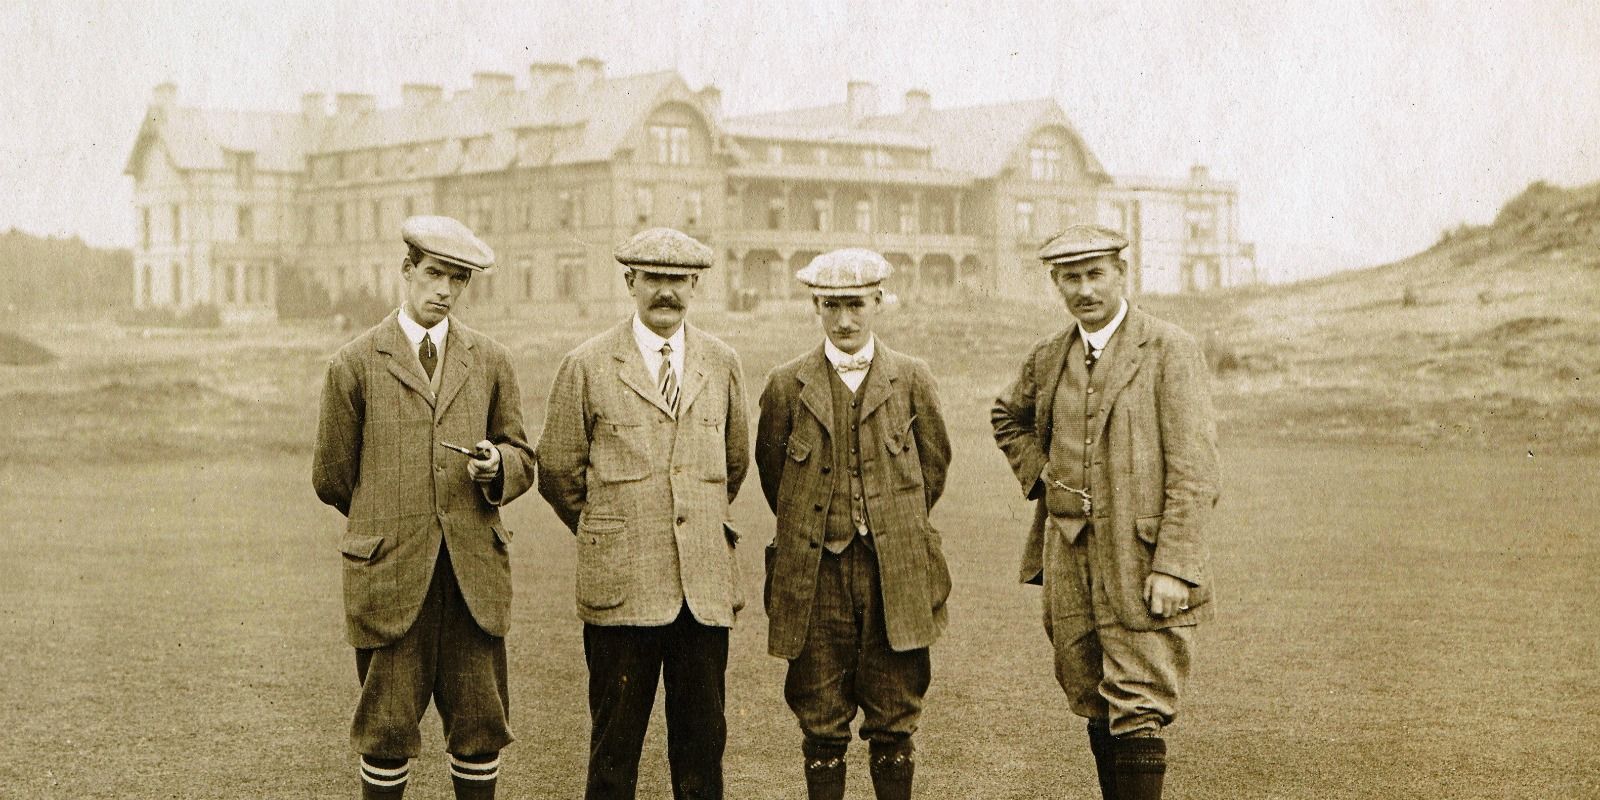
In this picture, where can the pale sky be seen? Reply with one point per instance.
(1356, 131)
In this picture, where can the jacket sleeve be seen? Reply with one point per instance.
(772, 439)
(737, 438)
(563, 450)
(1189, 449)
(505, 430)
(336, 462)
(1013, 418)
(933, 441)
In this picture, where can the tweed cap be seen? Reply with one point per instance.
(844, 273)
(664, 250)
(1079, 242)
(449, 241)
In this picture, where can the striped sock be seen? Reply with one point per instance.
(474, 776)
(384, 777)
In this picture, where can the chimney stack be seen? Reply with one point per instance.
(545, 76)
(355, 103)
(164, 96)
(862, 99)
(419, 95)
(590, 70)
(313, 105)
(1199, 174)
(919, 105)
(711, 101)
(490, 84)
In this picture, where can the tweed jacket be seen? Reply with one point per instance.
(905, 453)
(378, 462)
(1156, 476)
(648, 500)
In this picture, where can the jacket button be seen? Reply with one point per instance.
(813, 545)
(826, 470)
(682, 520)
(817, 507)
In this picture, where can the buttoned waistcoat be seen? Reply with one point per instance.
(378, 462)
(1154, 476)
(905, 453)
(646, 494)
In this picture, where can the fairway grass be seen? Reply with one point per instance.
(1391, 623)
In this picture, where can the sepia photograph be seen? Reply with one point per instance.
(703, 399)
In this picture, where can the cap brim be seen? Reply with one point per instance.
(665, 269)
(846, 291)
(1075, 257)
(456, 262)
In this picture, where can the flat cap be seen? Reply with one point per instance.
(664, 250)
(449, 241)
(1079, 242)
(842, 273)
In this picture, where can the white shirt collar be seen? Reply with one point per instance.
(652, 341)
(837, 356)
(414, 330)
(1097, 340)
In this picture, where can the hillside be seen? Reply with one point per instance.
(1491, 337)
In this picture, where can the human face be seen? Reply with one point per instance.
(1092, 289)
(847, 321)
(432, 289)
(662, 299)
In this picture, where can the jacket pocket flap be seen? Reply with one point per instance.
(602, 525)
(1147, 528)
(363, 547)
(799, 450)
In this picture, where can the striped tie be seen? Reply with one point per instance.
(667, 380)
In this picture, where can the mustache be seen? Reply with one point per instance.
(666, 302)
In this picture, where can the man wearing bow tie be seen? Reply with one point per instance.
(852, 453)
(1109, 429)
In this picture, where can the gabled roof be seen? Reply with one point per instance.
(200, 139)
(976, 140)
(597, 120)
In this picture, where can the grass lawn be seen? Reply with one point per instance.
(1392, 624)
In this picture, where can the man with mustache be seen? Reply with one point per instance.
(427, 573)
(644, 446)
(1109, 428)
(852, 453)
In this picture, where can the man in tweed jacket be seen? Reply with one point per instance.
(644, 446)
(427, 578)
(852, 453)
(1109, 429)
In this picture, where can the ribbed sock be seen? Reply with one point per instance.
(384, 777)
(474, 777)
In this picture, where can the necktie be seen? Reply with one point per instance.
(428, 355)
(856, 364)
(667, 380)
(1091, 356)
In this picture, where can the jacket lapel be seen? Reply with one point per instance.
(694, 369)
(1127, 355)
(814, 393)
(879, 385)
(460, 356)
(402, 362)
(630, 367)
(1052, 360)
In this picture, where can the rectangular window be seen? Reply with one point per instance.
(1025, 219)
(525, 270)
(937, 220)
(659, 144)
(177, 223)
(244, 166)
(774, 214)
(1044, 163)
(177, 283)
(694, 206)
(247, 225)
(144, 227)
(820, 209)
(679, 151)
(566, 211)
(569, 278)
(864, 216)
(644, 204)
(374, 217)
(908, 218)
(338, 222)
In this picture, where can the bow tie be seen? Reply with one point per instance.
(857, 364)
